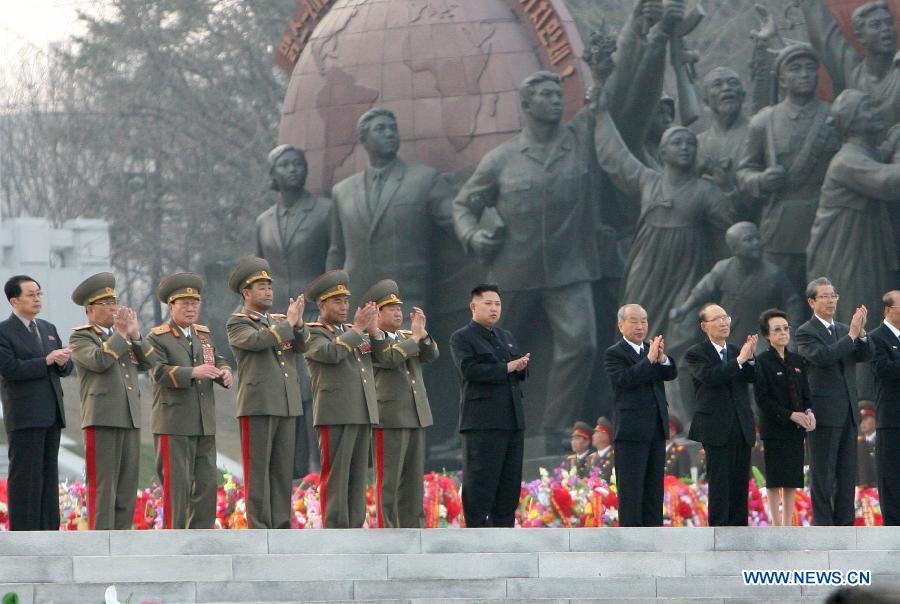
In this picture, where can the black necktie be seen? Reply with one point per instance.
(832, 331)
(32, 327)
(642, 352)
(724, 353)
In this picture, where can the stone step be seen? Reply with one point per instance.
(437, 566)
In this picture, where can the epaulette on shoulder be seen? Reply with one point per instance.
(245, 316)
(161, 329)
(324, 326)
(572, 456)
(201, 328)
(277, 315)
(860, 437)
(679, 448)
(83, 327)
(405, 332)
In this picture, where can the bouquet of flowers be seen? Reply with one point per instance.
(73, 509)
(442, 501)
(563, 499)
(684, 503)
(305, 504)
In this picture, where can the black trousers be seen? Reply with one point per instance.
(887, 458)
(640, 471)
(728, 468)
(33, 483)
(492, 476)
(832, 461)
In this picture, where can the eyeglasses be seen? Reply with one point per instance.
(828, 297)
(722, 319)
(781, 329)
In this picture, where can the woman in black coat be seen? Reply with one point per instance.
(782, 394)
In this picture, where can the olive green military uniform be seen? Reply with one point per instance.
(268, 401)
(404, 413)
(183, 416)
(678, 460)
(581, 464)
(345, 406)
(108, 366)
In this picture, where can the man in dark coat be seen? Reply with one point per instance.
(723, 422)
(832, 350)
(886, 344)
(32, 360)
(637, 370)
(492, 418)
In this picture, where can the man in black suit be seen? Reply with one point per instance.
(492, 417)
(832, 351)
(32, 360)
(637, 370)
(886, 359)
(723, 421)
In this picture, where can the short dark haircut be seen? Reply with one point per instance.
(702, 311)
(481, 288)
(766, 315)
(13, 287)
(812, 289)
(888, 299)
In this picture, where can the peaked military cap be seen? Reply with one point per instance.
(581, 429)
(331, 284)
(95, 288)
(180, 285)
(791, 52)
(247, 272)
(604, 425)
(383, 293)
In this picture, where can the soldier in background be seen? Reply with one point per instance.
(403, 410)
(268, 400)
(345, 406)
(183, 416)
(678, 458)
(604, 457)
(866, 466)
(581, 459)
(108, 352)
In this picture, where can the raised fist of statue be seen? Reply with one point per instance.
(485, 245)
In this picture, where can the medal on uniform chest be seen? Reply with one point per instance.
(365, 347)
(209, 354)
(132, 356)
(287, 345)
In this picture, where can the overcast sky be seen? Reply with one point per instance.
(29, 25)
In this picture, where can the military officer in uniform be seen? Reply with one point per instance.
(268, 397)
(581, 458)
(345, 406)
(183, 416)
(403, 408)
(604, 457)
(678, 458)
(866, 475)
(108, 352)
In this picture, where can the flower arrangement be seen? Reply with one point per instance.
(559, 498)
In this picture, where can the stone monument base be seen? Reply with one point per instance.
(438, 565)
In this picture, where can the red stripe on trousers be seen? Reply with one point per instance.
(167, 480)
(245, 460)
(379, 477)
(326, 471)
(90, 454)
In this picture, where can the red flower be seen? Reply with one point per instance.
(563, 500)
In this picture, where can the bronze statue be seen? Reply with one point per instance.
(852, 242)
(382, 215)
(539, 183)
(783, 164)
(744, 284)
(876, 71)
(292, 235)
